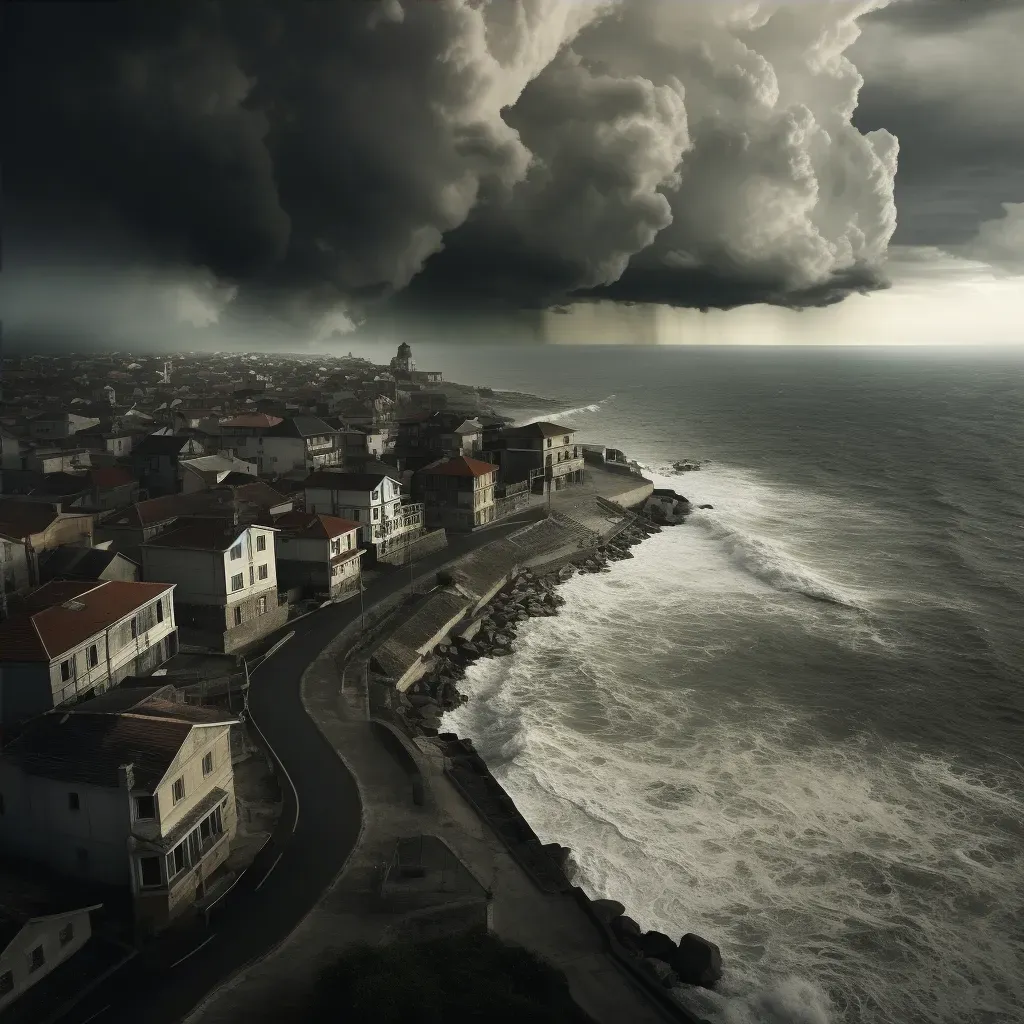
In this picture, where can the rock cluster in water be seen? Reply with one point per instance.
(690, 961)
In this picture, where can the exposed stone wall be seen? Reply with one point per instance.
(421, 546)
(511, 504)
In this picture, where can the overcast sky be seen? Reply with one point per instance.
(564, 170)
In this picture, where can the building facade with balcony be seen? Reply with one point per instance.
(544, 453)
(374, 501)
(136, 793)
(226, 579)
(299, 444)
(457, 493)
(77, 639)
(320, 554)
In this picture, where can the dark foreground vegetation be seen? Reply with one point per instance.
(464, 979)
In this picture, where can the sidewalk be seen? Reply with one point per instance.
(551, 925)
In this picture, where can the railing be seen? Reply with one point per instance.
(408, 515)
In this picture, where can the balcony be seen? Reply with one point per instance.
(407, 517)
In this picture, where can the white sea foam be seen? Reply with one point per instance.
(854, 881)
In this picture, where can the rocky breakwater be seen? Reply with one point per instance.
(528, 595)
(690, 961)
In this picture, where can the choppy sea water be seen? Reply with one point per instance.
(795, 725)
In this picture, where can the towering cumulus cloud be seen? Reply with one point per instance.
(327, 157)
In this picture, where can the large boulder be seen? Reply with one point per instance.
(608, 910)
(659, 946)
(626, 930)
(698, 961)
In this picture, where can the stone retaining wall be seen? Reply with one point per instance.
(422, 546)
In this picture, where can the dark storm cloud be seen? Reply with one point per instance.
(944, 77)
(318, 158)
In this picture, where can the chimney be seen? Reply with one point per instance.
(126, 776)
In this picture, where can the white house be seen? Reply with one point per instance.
(76, 639)
(225, 575)
(136, 792)
(318, 553)
(374, 500)
(297, 444)
(35, 941)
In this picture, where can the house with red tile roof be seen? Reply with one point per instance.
(318, 554)
(137, 795)
(457, 493)
(71, 640)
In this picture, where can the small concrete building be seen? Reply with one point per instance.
(457, 493)
(226, 579)
(318, 553)
(208, 471)
(76, 639)
(141, 797)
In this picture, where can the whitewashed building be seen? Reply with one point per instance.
(373, 500)
(225, 575)
(132, 790)
(77, 639)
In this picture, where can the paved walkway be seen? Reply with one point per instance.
(551, 925)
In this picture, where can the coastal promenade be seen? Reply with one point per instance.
(552, 925)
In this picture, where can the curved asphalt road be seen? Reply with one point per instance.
(307, 849)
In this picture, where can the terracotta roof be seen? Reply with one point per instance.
(540, 429)
(256, 419)
(81, 746)
(200, 533)
(461, 465)
(110, 476)
(23, 518)
(312, 524)
(62, 615)
(211, 502)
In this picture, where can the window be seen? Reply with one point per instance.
(135, 628)
(238, 615)
(252, 575)
(549, 442)
(565, 440)
(36, 959)
(264, 572)
(375, 495)
(159, 611)
(6, 983)
(178, 790)
(261, 542)
(236, 552)
(208, 763)
(261, 606)
(145, 806)
(237, 582)
(66, 934)
(73, 802)
(176, 861)
(65, 670)
(149, 872)
(376, 512)
(335, 547)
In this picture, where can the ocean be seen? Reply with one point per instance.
(795, 724)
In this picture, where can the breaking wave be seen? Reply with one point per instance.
(564, 414)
